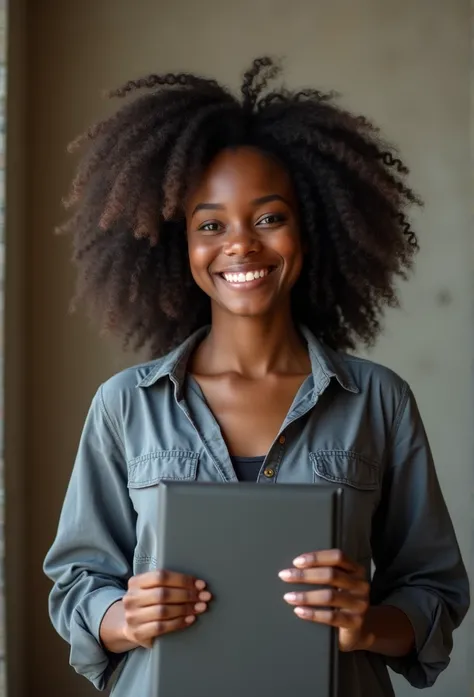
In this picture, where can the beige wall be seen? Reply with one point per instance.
(405, 63)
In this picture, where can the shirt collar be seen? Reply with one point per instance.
(325, 364)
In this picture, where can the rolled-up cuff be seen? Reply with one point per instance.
(88, 657)
(432, 644)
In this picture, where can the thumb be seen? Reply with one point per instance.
(354, 640)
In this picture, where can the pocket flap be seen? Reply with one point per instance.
(162, 465)
(346, 467)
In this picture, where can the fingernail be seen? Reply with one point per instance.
(303, 612)
(200, 607)
(285, 575)
(299, 561)
(200, 585)
(206, 596)
(290, 597)
(190, 619)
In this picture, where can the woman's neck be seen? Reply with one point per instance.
(252, 347)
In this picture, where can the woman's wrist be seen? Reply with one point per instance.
(387, 631)
(112, 630)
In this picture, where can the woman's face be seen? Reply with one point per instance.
(243, 237)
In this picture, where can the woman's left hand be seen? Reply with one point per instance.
(343, 605)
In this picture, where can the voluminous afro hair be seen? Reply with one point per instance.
(129, 228)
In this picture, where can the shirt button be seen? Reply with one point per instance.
(282, 440)
(269, 472)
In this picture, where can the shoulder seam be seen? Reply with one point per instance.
(400, 411)
(107, 418)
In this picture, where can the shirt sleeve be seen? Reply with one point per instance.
(418, 563)
(90, 560)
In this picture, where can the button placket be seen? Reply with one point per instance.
(271, 468)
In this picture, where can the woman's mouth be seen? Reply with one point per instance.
(247, 278)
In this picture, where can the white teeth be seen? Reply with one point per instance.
(245, 277)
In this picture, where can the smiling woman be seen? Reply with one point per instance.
(252, 241)
(257, 238)
(132, 190)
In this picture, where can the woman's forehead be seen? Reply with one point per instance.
(242, 171)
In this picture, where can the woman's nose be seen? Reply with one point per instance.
(241, 242)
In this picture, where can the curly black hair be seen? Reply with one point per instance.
(129, 227)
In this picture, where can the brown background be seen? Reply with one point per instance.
(405, 63)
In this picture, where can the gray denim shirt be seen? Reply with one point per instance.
(352, 422)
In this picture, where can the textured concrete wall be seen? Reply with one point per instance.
(404, 63)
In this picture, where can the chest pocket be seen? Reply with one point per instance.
(347, 468)
(359, 477)
(144, 475)
(162, 466)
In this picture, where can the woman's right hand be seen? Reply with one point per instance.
(156, 603)
(160, 602)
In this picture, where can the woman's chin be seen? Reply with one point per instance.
(252, 309)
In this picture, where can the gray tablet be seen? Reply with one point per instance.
(238, 537)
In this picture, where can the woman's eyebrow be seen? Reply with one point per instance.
(268, 199)
(209, 207)
(255, 202)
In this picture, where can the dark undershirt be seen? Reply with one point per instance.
(247, 468)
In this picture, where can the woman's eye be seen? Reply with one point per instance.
(210, 227)
(271, 219)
